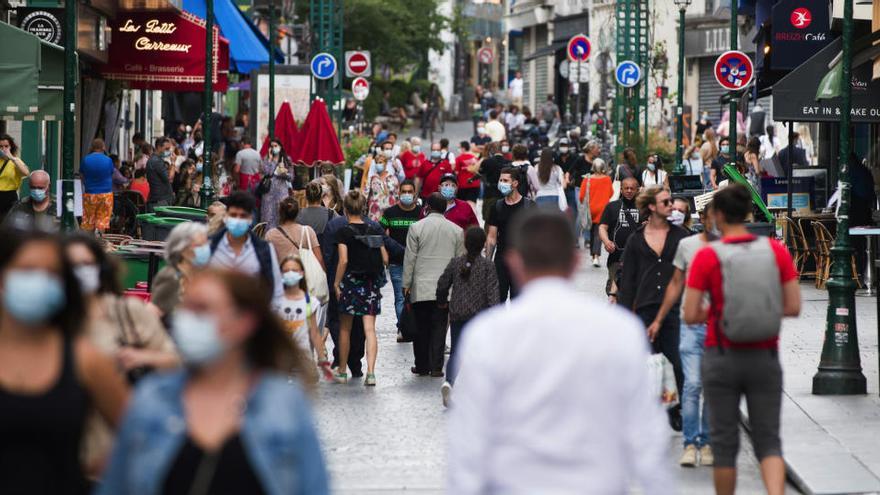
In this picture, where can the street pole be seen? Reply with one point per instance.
(207, 194)
(679, 111)
(732, 123)
(68, 136)
(272, 69)
(840, 367)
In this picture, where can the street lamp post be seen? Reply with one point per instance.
(68, 136)
(207, 193)
(272, 42)
(679, 111)
(840, 367)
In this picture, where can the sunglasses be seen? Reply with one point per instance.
(665, 202)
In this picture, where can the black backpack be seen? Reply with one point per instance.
(374, 242)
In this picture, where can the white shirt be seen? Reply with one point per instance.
(553, 397)
(394, 166)
(553, 185)
(495, 130)
(247, 262)
(516, 87)
(515, 121)
(655, 179)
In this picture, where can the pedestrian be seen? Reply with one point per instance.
(159, 176)
(12, 171)
(620, 218)
(628, 167)
(236, 247)
(458, 211)
(681, 213)
(691, 161)
(575, 168)
(549, 111)
(333, 194)
(723, 158)
(120, 181)
(186, 251)
(474, 285)
(241, 422)
(515, 86)
(520, 161)
(290, 236)
(752, 295)
(514, 120)
(534, 385)
(649, 250)
(298, 310)
(547, 182)
(430, 244)
(431, 171)
(397, 220)
(481, 139)
(140, 184)
(247, 165)
(392, 164)
(383, 188)
(466, 168)
(277, 166)
(96, 170)
(498, 223)
(315, 214)
(216, 214)
(708, 153)
(411, 157)
(360, 274)
(654, 174)
(188, 185)
(494, 128)
(39, 207)
(53, 375)
(695, 420)
(600, 189)
(490, 167)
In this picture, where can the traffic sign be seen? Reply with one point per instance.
(628, 73)
(734, 70)
(357, 64)
(360, 88)
(323, 66)
(579, 48)
(485, 55)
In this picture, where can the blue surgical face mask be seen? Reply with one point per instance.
(725, 148)
(448, 192)
(435, 155)
(291, 278)
(197, 338)
(32, 297)
(166, 154)
(651, 167)
(407, 199)
(38, 195)
(202, 255)
(199, 167)
(379, 167)
(416, 148)
(505, 188)
(237, 226)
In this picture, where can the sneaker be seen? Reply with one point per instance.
(706, 456)
(596, 262)
(340, 377)
(326, 372)
(689, 456)
(370, 380)
(446, 393)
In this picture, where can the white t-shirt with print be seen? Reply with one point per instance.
(294, 313)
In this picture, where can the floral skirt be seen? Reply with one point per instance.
(97, 211)
(360, 294)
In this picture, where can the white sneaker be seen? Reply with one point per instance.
(446, 393)
(596, 262)
(707, 458)
(689, 456)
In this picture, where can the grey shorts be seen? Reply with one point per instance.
(729, 375)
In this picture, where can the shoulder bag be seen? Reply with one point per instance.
(615, 186)
(265, 184)
(585, 217)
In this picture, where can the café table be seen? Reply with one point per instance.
(869, 233)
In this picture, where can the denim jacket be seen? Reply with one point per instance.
(277, 432)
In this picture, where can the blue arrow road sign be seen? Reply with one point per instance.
(628, 73)
(323, 66)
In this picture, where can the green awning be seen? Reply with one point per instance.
(33, 77)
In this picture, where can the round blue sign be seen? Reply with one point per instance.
(323, 66)
(628, 73)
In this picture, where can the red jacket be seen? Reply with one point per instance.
(461, 214)
(411, 163)
(461, 170)
(431, 173)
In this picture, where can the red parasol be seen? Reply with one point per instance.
(285, 131)
(317, 138)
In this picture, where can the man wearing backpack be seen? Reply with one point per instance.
(752, 284)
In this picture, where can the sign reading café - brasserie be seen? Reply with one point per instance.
(164, 51)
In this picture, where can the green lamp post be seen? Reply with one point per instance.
(207, 192)
(68, 136)
(679, 110)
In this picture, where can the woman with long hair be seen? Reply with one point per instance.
(708, 153)
(236, 419)
(188, 185)
(278, 167)
(383, 189)
(654, 174)
(51, 375)
(12, 172)
(546, 181)
(333, 193)
(315, 214)
(474, 284)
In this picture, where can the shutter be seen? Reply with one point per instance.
(541, 83)
(710, 92)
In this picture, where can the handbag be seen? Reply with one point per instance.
(265, 184)
(615, 186)
(407, 324)
(316, 278)
(662, 380)
(585, 217)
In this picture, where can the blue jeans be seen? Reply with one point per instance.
(396, 274)
(695, 423)
(549, 202)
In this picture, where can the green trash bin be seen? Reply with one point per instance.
(193, 214)
(137, 266)
(144, 222)
(162, 227)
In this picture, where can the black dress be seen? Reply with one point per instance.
(40, 436)
(226, 471)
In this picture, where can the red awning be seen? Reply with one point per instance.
(164, 51)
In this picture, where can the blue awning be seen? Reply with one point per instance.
(248, 48)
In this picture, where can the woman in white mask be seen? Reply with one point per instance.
(278, 172)
(238, 416)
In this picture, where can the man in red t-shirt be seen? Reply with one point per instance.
(431, 171)
(459, 212)
(731, 370)
(412, 158)
(468, 183)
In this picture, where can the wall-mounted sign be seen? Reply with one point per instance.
(164, 51)
(800, 29)
(43, 23)
(706, 42)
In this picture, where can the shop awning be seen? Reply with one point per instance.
(794, 96)
(164, 51)
(545, 51)
(248, 47)
(33, 77)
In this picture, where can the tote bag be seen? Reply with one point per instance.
(316, 279)
(585, 217)
(615, 186)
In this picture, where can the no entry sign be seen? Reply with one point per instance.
(579, 48)
(360, 88)
(485, 55)
(357, 64)
(734, 70)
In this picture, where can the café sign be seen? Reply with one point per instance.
(800, 28)
(165, 51)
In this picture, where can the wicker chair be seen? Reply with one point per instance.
(804, 252)
(791, 242)
(824, 242)
(259, 229)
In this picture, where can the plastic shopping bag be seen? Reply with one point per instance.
(662, 379)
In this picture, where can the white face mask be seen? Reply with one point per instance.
(291, 278)
(197, 337)
(676, 218)
(481, 130)
(505, 149)
(89, 277)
